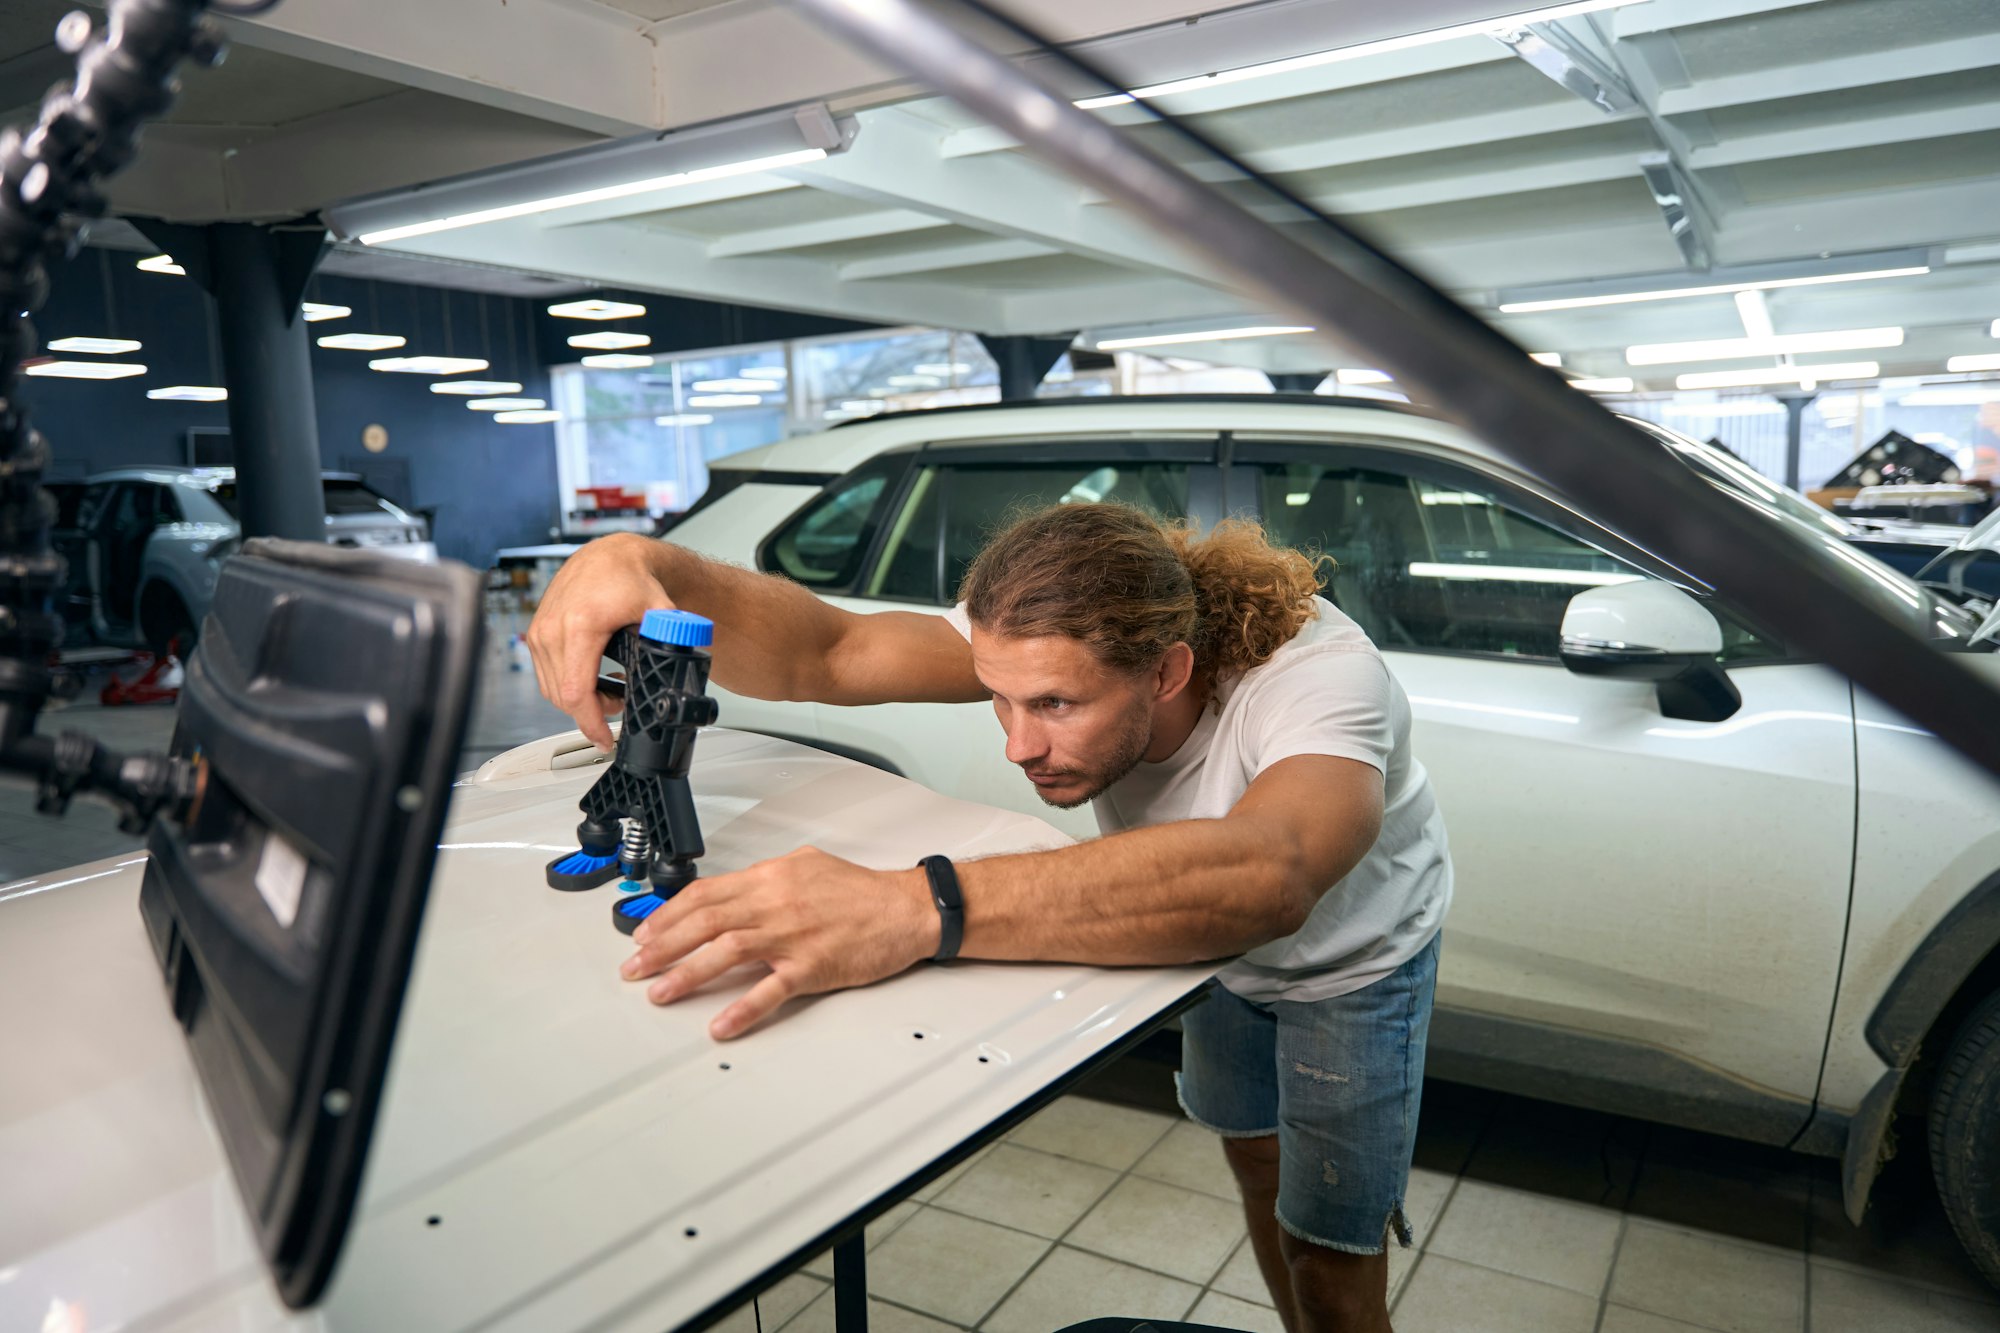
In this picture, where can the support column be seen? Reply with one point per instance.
(1795, 416)
(1284, 381)
(1024, 359)
(257, 276)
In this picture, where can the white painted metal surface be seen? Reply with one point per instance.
(554, 1151)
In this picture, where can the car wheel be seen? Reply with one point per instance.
(1965, 1135)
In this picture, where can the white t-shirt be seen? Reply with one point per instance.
(1326, 692)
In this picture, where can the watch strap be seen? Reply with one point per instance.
(950, 903)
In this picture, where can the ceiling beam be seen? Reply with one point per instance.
(827, 231)
(1835, 74)
(1905, 127)
(944, 258)
(691, 195)
(1666, 15)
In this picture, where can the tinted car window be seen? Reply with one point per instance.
(343, 496)
(823, 545)
(954, 508)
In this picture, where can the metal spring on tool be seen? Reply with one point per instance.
(635, 853)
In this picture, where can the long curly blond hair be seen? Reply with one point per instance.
(1129, 586)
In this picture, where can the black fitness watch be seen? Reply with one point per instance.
(950, 905)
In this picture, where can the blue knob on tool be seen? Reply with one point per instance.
(683, 629)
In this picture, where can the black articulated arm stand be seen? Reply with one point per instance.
(51, 178)
(639, 819)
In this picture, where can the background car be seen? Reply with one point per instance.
(1756, 903)
(144, 545)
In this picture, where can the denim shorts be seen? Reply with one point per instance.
(1337, 1080)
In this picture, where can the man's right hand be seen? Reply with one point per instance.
(604, 587)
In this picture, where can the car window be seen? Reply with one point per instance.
(347, 496)
(823, 545)
(1427, 565)
(953, 509)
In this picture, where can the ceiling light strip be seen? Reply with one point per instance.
(1201, 336)
(1715, 289)
(1782, 344)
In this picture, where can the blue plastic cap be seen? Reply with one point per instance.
(682, 628)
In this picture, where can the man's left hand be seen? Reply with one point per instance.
(819, 923)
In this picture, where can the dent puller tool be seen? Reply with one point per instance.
(639, 819)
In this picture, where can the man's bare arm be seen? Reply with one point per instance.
(773, 640)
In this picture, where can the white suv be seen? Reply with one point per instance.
(1701, 879)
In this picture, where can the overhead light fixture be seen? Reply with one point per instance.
(1546, 358)
(1711, 289)
(608, 340)
(190, 393)
(1609, 384)
(942, 368)
(162, 264)
(315, 311)
(1781, 344)
(911, 381)
(362, 342)
(84, 370)
(1993, 331)
(529, 417)
(1362, 376)
(1583, 578)
(596, 308)
(1952, 395)
(1799, 375)
(476, 388)
(617, 361)
(733, 386)
(1755, 312)
(770, 373)
(685, 419)
(428, 365)
(1741, 407)
(1204, 336)
(94, 346)
(863, 404)
(1266, 69)
(505, 404)
(724, 400)
(1983, 361)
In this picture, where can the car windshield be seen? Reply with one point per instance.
(1928, 613)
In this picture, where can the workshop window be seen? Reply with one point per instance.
(953, 510)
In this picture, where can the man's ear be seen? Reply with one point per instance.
(1173, 674)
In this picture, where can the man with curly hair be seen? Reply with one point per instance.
(1248, 757)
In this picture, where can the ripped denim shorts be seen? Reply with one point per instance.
(1337, 1080)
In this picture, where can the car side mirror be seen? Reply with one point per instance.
(1649, 630)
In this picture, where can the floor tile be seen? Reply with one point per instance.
(1095, 1132)
(1904, 1235)
(1424, 1202)
(1446, 1296)
(1618, 1319)
(1564, 1244)
(1241, 1277)
(1162, 1227)
(882, 1318)
(1070, 1286)
(878, 1231)
(1709, 1280)
(1220, 1311)
(1558, 1151)
(776, 1306)
(1704, 1182)
(944, 1182)
(1028, 1190)
(953, 1267)
(1191, 1157)
(1848, 1302)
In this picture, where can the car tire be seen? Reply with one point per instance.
(1965, 1135)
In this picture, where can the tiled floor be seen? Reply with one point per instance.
(1528, 1216)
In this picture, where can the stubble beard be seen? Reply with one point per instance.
(1133, 742)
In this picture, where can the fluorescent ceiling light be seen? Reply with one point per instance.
(1208, 336)
(766, 373)
(1297, 498)
(1781, 344)
(428, 365)
(685, 419)
(95, 346)
(1993, 331)
(608, 340)
(1362, 50)
(1755, 313)
(1718, 289)
(581, 197)
(1583, 578)
(724, 400)
(863, 405)
(316, 311)
(617, 361)
(476, 388)
(1984, 361)
(596, 309)
(190, 393)
(1612, 384)
(1741, 407)
(1799, 375)
(85, 370)
(162, 264)
(734, 386)
(505, 404)
(910, 381)
(1546, 358)
(940, 368)
(529, 417)
(1951, 395)
(1362, 376)
(361, 342)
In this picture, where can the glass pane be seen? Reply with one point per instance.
(823, 546)
(909, 566)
